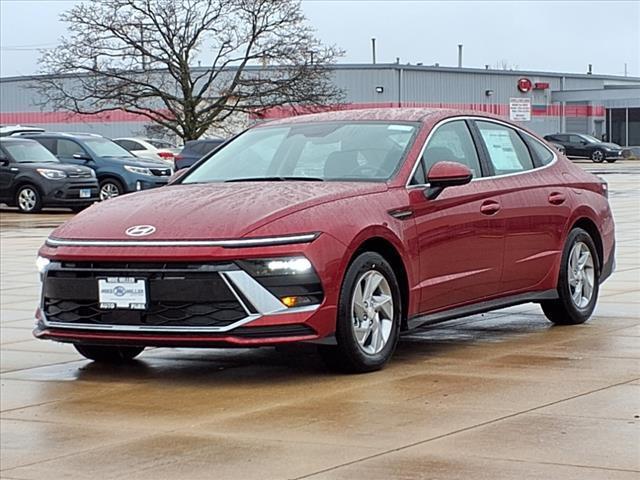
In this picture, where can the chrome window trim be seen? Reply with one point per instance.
(476, 179)
(239, 243)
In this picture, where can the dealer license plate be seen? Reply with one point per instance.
(122, 292)
(85, 193)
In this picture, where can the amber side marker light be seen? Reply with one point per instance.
(297, 301)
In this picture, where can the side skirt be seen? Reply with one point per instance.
(480, 307)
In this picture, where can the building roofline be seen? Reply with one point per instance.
(393, 66)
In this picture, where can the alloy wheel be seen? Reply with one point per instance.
(372, 312)
(597, 156)
(581, 274)
(109, 190)
(27, 199)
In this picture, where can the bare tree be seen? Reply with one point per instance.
(138, 56)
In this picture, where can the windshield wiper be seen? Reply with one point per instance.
(275, 179)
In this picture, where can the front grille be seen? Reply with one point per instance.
(80, 175)
(179, 295)
(159, 314)
(161, 172)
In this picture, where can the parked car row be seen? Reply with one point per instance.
(107, 170)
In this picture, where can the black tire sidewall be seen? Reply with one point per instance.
(38, 205)
(578, 315)
(347, 343)
(112, 181)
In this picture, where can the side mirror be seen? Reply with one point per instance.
(446, 174)
(82, 156)
(584, 142)
(4, 162)
(177, 176)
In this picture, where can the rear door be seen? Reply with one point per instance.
(460, 234)
(534, 204)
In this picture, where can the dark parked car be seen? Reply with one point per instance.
(118, 170)
(32, 178)
(581, 145)
(194, 150)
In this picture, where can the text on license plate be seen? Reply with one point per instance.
(85, 193)
(122, 292)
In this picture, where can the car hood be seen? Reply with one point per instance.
(138, 162)
(611, 145)
(65, 167)
(206, 211)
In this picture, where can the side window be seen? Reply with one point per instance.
(68, 148)
(48, 143)
(507, 151)
(575, 139)
(451, 142)
(543, 155)
(130, 145)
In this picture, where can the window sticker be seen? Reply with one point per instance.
(501, 149)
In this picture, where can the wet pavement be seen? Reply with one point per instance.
(503, 395)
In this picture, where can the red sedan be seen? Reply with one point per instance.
(344, 229)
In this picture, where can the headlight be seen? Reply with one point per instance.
(51, 174)
(42, 264)
(138, 170)
(292, 279)
(279, 266)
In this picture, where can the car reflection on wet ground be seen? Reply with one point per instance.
(498, 395)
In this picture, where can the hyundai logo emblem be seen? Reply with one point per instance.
(140, 230)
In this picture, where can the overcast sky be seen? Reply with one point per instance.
(535, 35)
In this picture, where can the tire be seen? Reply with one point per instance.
(110, 188)
(597, 156)
(611, 160)
(568, 309)
(28, 199)
(108, 354)
(366, 333)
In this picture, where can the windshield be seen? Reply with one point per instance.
(160, 143)
(369, 151)
(103, 147)
(29, 152)
(590, 139)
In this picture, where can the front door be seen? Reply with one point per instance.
(460, 234)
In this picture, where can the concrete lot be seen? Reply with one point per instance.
(495, 396)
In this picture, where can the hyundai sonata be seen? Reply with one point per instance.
(343, 229)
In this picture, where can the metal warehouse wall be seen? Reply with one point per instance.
(405, 85)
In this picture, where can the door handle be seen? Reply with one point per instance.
(557, 198)
(490, 207)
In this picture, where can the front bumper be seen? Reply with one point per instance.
(613, 154)
(251, 315)
(68, 193)
(136, 182)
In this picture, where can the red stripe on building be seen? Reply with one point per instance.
(120, 116)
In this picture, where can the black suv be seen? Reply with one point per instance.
(32, 178)
(581, 145)
(118, 170)
(194, 150)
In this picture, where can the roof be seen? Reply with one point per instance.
(392, 114)
(389, 66)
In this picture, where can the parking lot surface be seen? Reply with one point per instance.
(498, 396)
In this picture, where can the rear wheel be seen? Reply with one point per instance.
(28, 199)
(108, 354)
(368, 322)
(578, 282)
(597, 156)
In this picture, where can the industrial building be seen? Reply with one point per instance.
(605, 106)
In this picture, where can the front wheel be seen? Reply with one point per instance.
(597, 156)
(369, 312)
(107, 353)
(578, 282)
(29, 199)
(110, 189)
